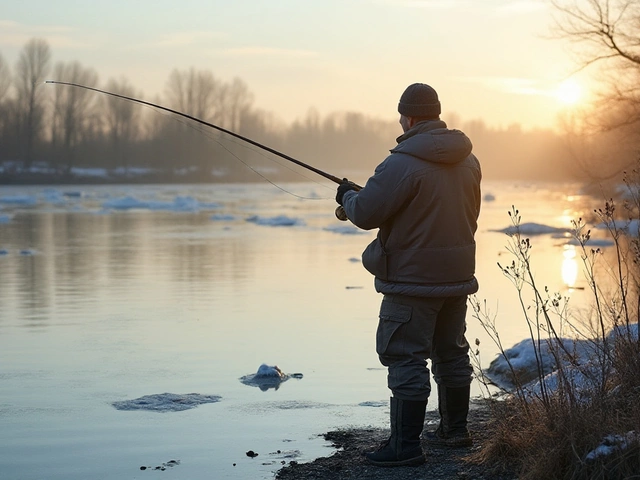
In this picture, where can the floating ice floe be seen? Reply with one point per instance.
(277, 221)
(489, 197)
(73, 194)
(347, 229)
(166, 402)
(25, 200)
(592, 242)
(631, 227)
(179, 204)
(57, 197)
(373, 403)
(532, 229)
(221, 217)
(4, 218)
(51, 195)
(268, 377)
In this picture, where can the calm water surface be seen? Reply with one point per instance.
(184, 295)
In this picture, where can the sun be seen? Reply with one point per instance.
(568, 92)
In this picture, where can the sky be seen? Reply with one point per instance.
(490, 60)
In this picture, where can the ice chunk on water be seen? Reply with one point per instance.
(489, 197)
(265, 370)
(531, 228)
(268, 377)
(347, 229)
(277, 221)
(221, 217)
(19, 199)
(166, 402)
(179, 204)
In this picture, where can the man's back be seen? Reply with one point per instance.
(425, 199)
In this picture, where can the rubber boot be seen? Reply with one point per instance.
(403, 447)
(453, 405)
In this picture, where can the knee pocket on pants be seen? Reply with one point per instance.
(392, 317)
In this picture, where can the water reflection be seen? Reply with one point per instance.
(126, 304)
(569, 266)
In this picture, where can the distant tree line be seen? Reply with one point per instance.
(58, 128)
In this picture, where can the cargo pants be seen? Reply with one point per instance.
(414, 329)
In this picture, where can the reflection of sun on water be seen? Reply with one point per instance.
(569, 266)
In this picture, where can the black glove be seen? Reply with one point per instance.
(343, 188)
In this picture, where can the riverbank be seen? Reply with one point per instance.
(442, 464)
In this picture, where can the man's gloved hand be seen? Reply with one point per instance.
(343, 188)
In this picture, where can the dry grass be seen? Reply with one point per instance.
(551, 441)
(549, 434)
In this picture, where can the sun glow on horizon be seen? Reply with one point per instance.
(569, 92)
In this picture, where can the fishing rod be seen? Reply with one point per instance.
(339, 210)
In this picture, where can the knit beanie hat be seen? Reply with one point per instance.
(419, 100)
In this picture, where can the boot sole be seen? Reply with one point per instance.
(410, 462)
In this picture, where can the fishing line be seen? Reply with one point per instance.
(211, 137)
(340, 213)
(244, 145)
(329, 176)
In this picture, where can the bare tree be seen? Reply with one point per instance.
(196, 93)
(609, 27)
(5, 78)
(234, 104)
(32, 67)
(73, 118)
(121, 120)
(193, 92)
(607, 33)
(5, 83)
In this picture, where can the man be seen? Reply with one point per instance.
(425, 200)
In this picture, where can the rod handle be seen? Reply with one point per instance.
(340, 213)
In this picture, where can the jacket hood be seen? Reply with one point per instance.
(432, 141)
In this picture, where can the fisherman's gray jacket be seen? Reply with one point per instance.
(425, 200)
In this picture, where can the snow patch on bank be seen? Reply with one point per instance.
(612, 444)
(524, 359)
